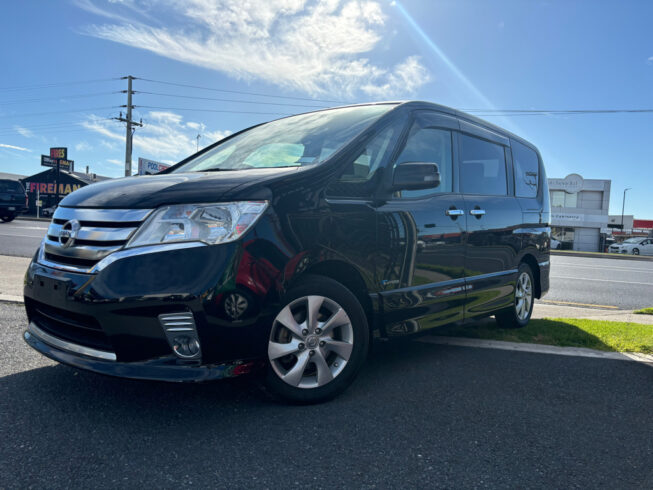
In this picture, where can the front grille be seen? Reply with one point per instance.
(67, 325)
(100, 233)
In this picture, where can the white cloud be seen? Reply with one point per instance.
(108, 144)
(315, 46)
(83, 146)
(164, 135)
(24, 131)
(13, 147)
(113, 161)
(650, 60)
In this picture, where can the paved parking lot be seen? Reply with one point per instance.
(419, 416)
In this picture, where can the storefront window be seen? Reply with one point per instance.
(562, 199)
(564, 235)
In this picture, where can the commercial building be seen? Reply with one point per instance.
(44, 186)
(579, 212)
(627, 225)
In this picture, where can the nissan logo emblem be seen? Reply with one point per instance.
(68, 233)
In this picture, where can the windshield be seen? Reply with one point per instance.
(290, 142)
(633, 240)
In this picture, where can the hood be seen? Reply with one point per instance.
(150, 191)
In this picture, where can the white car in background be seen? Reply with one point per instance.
(555, 244)
(634, 246)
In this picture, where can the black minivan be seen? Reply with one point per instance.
(291, 245)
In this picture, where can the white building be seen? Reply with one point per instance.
(579, 212)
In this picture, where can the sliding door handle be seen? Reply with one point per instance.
(477, 212)
(454, 212)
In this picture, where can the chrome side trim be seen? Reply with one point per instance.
(148, 249)
(107, 215)
(544, 264)
(69, 346)
(491, 275)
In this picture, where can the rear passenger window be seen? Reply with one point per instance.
(526, 166)
(482, 167)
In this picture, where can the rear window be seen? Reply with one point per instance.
(527, 167)
(11, 187)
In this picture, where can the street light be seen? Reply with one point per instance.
(623, 205)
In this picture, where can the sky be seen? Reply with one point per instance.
(212, 67)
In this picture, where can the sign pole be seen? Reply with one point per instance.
(56, 185)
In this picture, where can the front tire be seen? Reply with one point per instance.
(7, 218)
(318, 342)
(520, 313)
(635, 251)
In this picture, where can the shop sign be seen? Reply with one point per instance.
(571, 184)
(45, 188)
(149, 167)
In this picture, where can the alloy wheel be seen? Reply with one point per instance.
(311, 342)
(523, 296)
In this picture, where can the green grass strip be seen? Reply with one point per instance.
(564, 332)
(644, 311)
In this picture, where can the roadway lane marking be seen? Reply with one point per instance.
(602, 280)
(25, 236)
(594, 267)
(28, 227)
(554, 302)
(538, 348)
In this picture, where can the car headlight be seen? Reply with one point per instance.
(208, 223)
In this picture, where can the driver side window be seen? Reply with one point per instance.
(432, 145)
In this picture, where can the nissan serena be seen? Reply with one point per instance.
(291, 245)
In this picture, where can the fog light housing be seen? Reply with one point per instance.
(185, 346)
(181, 333)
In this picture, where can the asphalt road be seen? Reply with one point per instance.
(419, 415)
(21, 238)
(626, 284)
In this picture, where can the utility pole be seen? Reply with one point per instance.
(130, 132)
(623, 206)
(198, 142)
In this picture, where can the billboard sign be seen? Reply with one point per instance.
(149, 167)
(59, 153)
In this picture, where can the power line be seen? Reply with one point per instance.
(90, 109)
(56, 97)
(232, 100)
(258, 94)
(211, 110)
(545, 112)
(58, 84)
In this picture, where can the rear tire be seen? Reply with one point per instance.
(7, 218)
(520, 313)
(318, 342)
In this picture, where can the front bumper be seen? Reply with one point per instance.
(117, 311)
(162, 369)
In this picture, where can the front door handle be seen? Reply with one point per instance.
(477, 212)
(454, 212)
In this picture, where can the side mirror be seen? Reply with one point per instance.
(415, 175)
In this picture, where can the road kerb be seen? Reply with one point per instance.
(538, 348)
(8, 298)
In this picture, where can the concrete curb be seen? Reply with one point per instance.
(539, 349)
(599, 255)
(34, 218)
(8, 298)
